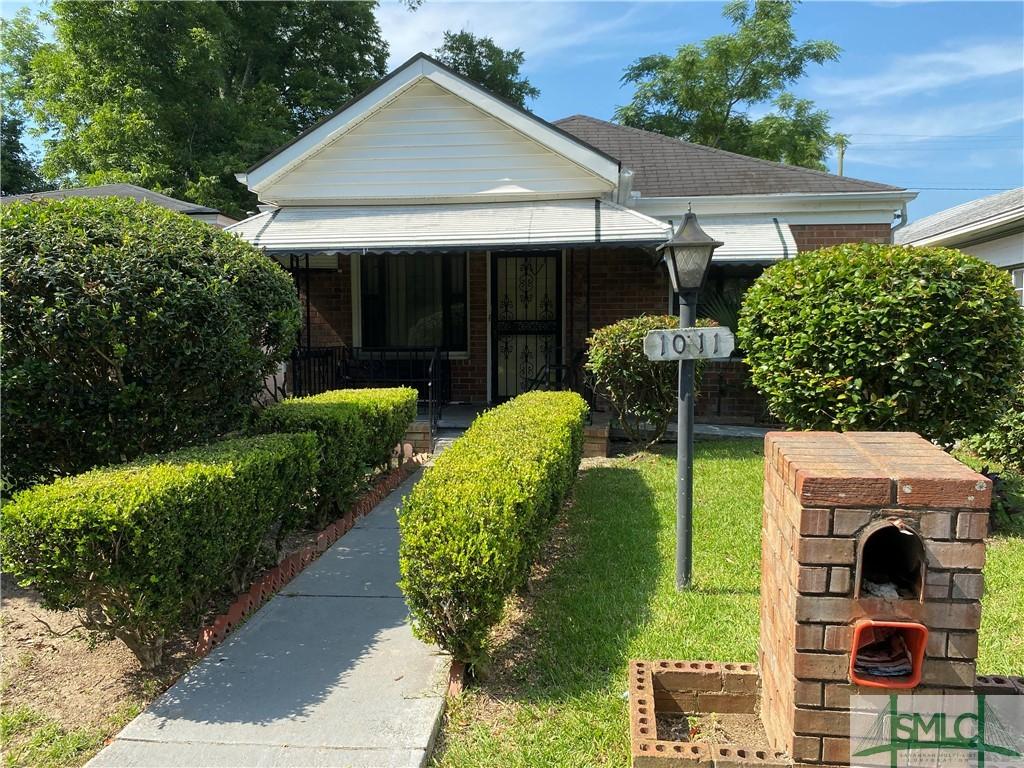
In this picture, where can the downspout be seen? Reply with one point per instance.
(903, 217)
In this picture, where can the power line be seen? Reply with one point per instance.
(962, 189)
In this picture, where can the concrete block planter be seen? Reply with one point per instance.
(693, 688)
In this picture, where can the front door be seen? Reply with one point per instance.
(526, 320)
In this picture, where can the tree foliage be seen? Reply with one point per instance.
(178, 97)
(705, 92)
(484, 62)
(884, 337)
(128, 329)
(17, 170)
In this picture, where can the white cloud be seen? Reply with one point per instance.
(540, 29)
(932, 70)
(941, 133)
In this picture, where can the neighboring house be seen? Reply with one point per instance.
(991, 228)
(428, 214)
(198, 212)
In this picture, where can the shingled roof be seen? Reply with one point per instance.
(667, 167)
(991, 210)
(118, 190)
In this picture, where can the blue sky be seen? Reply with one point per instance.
(932, 94)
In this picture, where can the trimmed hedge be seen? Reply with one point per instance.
(357, 429)
(139, 548)
(884, 337)
(474, 523)
(128, 329)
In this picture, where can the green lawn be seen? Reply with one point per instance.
(30, 740)
(607, 594)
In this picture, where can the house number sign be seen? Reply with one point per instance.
(689, 344)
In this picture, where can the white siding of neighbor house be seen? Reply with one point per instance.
(1003, 252)
(431, 145)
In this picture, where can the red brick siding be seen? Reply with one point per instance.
(727, 397)
(330, 306)
(810, 237)
(469, 377)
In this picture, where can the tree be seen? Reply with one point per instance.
(486, 63)
(19, 39)
(179, 97)
(128, 329)
(17, 171)
(704, 93)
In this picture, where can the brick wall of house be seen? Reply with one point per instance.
(469, 377)
(809, 237)
(825, 495)
(726, 395)
(623, 283)
(330, 306)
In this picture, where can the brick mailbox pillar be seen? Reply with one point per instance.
(862, 533)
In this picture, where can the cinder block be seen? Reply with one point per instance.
(727, 703)
(688, 675)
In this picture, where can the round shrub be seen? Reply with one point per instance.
(642, 392)
(1003, 443)
(864, 336)
(129, 329)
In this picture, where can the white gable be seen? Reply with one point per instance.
(429, 136)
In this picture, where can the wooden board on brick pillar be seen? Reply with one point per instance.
(867, 538)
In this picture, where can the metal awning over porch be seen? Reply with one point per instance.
(750, 239)
(456, 226)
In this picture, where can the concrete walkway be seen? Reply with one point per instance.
(326, 674)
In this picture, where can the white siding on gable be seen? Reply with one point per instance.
(429, 144)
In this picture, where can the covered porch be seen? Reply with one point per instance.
(468, 303)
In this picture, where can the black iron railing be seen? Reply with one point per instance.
(319, 369)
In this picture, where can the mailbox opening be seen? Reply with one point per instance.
(891, 562)
(887, 654)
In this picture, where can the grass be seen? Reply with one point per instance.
(606, 594)
(33, 740)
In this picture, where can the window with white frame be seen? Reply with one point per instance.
(1018, 284)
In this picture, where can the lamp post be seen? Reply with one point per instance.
(687, 256)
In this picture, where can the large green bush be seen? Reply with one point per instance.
(885, 337)
(128, 329)
(642, 392)
(1004, 441)
(140, 547)
(474, 523)
(357, 430)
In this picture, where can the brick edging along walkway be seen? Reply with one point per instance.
(272, 580)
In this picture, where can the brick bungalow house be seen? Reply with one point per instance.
(438, 232)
